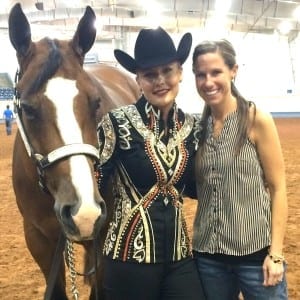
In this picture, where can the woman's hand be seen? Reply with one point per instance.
(273, 271)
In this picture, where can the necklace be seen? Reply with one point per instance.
(154, 117)
(165, 151)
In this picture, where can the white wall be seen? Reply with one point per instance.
(268, 68)
(265, 75)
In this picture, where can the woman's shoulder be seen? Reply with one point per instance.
(259, 116)
(122, 112)
(262, 122)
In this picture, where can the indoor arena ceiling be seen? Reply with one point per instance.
(259, 16)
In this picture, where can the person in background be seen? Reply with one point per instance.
(8, 117)
(149, 147)
(242, 209)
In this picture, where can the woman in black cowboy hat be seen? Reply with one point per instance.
(149, 148)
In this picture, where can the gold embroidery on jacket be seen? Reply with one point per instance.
(130, 234)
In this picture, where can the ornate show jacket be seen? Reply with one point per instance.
(151, 173)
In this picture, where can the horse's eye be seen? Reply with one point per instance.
(30, 111)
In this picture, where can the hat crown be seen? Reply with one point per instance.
(152, 44)
(154, 47)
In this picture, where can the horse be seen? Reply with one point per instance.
(59, 103)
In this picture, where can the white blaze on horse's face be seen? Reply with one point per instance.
(62, 92)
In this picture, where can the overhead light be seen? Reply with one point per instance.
(153, 14)
(39, 5)
(285, 27)
(222, 6)
(296, 13)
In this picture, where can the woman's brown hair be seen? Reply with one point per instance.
(226, 50)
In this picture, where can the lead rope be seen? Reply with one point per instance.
(72, 270)
(56, 263)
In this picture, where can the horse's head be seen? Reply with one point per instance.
(58, 105)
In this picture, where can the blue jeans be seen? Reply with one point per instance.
(8, 126)
(222, 281)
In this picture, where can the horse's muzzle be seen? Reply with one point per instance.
(85, 224)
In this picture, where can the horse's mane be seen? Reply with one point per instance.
(48, 67)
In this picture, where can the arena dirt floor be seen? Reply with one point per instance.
(20, 277)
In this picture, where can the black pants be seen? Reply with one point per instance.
(134, 281)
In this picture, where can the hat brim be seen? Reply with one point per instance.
(184, 47)
(131, 65)
(125, 60)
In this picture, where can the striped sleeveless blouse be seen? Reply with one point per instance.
(234, 208)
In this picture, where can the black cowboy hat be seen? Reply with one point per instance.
(154, 47)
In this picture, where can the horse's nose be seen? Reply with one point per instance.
(82, 220)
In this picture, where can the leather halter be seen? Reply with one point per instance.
(44, 161)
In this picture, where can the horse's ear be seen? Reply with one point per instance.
(85, 34)
(19, 30)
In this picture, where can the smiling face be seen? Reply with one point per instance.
(160, 85)
(213, 78)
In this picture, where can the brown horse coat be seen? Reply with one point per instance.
(59, 106)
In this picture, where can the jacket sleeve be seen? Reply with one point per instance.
(107, 139)
(190, 187)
